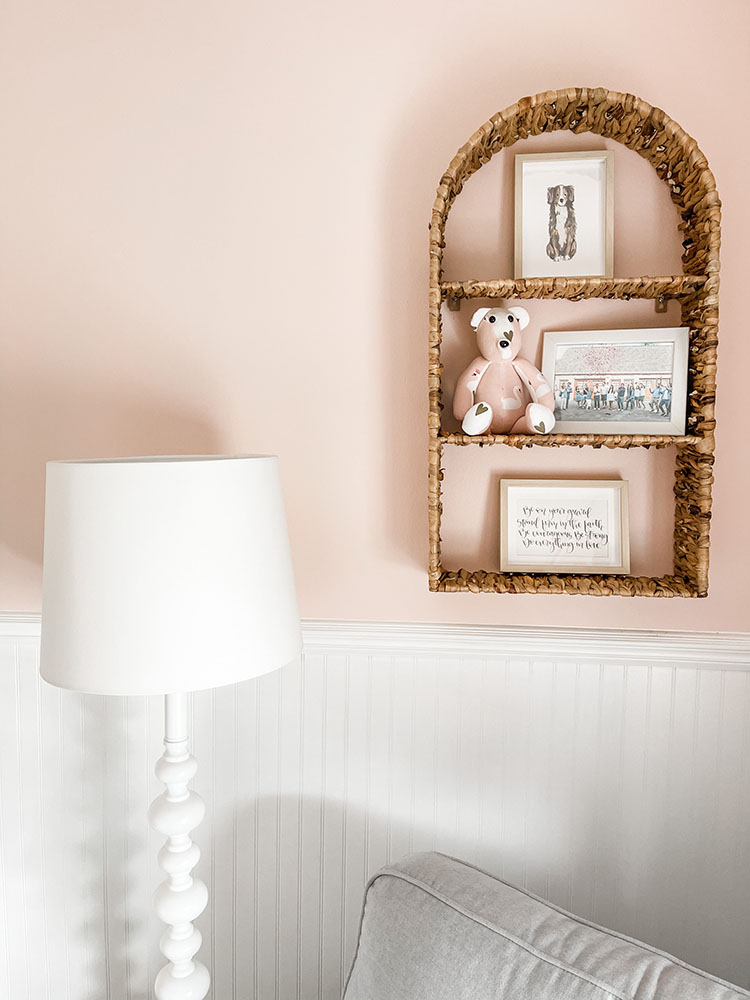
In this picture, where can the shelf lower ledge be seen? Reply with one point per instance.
(481, 582)
(646, 287)
(574, 440)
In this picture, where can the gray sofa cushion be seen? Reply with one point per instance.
(434, 928)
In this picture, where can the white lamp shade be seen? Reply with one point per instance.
(165, 574)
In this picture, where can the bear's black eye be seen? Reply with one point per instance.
(492, 319)
(511, 318)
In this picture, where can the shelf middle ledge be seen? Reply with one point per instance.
(572, 440)
(668, 286)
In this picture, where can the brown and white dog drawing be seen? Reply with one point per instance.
(562, 222)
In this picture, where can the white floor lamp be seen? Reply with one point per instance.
(164, 576)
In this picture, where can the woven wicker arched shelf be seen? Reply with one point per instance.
(680, 164)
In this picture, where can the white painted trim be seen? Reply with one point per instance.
(725, 650)
(20, 625)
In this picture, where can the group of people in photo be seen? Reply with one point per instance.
(653, 395)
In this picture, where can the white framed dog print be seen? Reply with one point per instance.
(564, 224)
(564, 526)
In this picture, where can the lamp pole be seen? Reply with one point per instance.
(180, 898)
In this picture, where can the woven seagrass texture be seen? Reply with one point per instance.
(680, 164)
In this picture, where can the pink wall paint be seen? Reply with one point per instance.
(214, 230)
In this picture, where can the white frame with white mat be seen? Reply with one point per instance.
(678, 337)
(611, 497)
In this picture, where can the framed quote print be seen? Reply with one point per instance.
(564, 526)
(564, 215)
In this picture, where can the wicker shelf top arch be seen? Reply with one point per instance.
(679, 163)
(648, 131)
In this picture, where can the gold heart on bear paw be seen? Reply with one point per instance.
(539, 427)
(481, 408)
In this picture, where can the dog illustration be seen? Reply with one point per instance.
(562, 222)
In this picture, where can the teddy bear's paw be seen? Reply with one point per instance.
(540, 418)
(478, 419)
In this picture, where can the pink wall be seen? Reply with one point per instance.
(214, 230)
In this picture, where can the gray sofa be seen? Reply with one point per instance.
(434, 928)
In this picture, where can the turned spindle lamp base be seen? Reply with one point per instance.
(180, 898)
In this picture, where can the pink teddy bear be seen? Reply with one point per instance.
(499, 391)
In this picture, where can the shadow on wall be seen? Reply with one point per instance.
(410, 180)
(571, 783)
(81, 889)
(61, 419)
(286, 886)
(286, 878)
(286, 894)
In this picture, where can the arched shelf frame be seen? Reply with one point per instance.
(679, 163)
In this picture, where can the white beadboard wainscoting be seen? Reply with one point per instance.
(608, 772)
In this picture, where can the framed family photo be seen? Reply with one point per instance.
(618, 381)
(564, 526)
(564, 214)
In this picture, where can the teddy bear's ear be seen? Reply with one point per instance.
(521, 315)
(478, 316)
